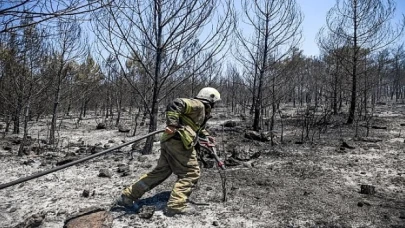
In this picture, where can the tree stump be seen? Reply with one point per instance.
(91, 219)
(367, 189)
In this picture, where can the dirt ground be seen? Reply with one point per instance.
(291, 184)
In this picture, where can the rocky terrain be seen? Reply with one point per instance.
(338, 179)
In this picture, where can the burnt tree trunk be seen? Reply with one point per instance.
(155, 97)
(25, 135)
(354, 70)
(16, 117)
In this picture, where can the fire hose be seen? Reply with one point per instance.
(206, 144)
(24, 179)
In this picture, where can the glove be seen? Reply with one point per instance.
(211, 139)
(170, 130)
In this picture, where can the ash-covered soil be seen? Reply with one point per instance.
(290, 184)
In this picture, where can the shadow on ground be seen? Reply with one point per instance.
(158, 201)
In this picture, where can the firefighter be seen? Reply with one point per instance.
(178, 153)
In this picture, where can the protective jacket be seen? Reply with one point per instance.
(176, 156)
(187, 115)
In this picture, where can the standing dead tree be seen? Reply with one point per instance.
(276, 29)
(33, 56)
(360, 27)
(67, 47)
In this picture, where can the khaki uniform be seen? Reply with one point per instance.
(178, 154)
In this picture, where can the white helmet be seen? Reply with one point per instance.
(209, 94)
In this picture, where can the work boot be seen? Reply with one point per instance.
(124, 201)
(189, 210)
